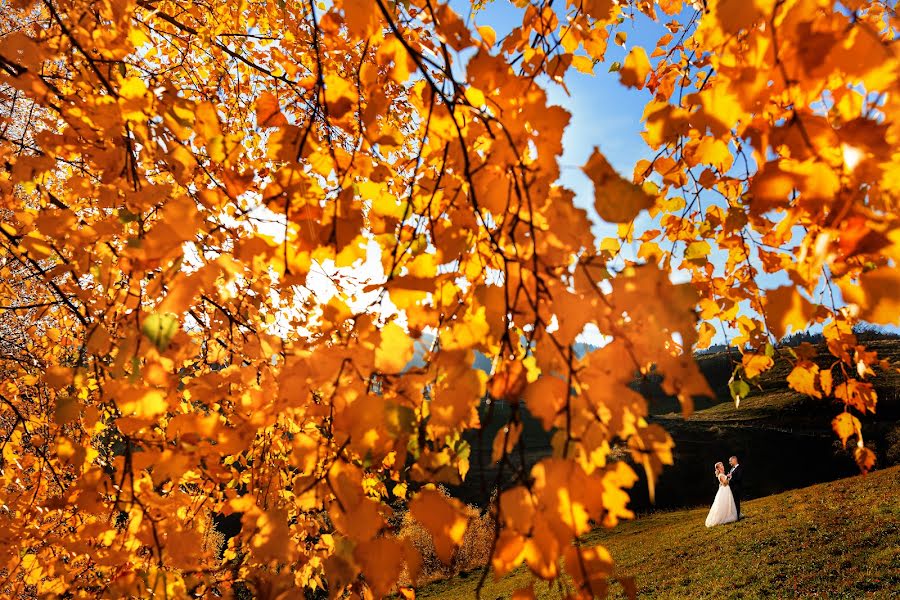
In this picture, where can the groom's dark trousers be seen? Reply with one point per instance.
(736, 483)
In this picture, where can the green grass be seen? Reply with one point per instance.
(833, 540)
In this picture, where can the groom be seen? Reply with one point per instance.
(735, 477)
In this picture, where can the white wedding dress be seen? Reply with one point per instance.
(723, 509)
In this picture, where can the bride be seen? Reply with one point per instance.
(723, 509)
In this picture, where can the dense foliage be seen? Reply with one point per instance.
(227, 226)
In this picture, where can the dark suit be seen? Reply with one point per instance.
(736, 483)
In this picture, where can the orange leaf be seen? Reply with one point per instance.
(876, 295)
(845, 425)
(652, 447)
(505, 440)
(787, 309)
(705, 335)
(858, 394)
(637, 66)
(590, 568)
(615, 199)
(734, 15)
(545, 399)
(444, 517)
(381, 560)
(754, 364)
(509, 381)
(268, 111)
(865, 458)
(508, 553)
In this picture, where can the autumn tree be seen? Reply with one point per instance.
(227, 226)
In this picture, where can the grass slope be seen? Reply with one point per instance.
(833, 540)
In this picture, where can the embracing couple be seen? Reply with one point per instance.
(726, 507)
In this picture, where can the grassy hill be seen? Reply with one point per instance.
(834, 540)
(771, 394)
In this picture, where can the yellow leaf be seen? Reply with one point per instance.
(584, 64)
(615, 199)
(137, 37)
(705, 335)
(698, 251)
(651, 252)
(637, 66)
(395, 350)
(466, 332)
(32, 569)
(714, 152)
(142, 403)
(754, 364)
(132, 88)
(846, 425)
(487, 34)
(803, 378)
(475, 96)
(160, 328)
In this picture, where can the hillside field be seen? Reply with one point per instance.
(833, 540)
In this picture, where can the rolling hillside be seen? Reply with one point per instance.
(834, 540)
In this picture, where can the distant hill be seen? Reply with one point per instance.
(833, 540)
(482, 362)
(718, 366)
